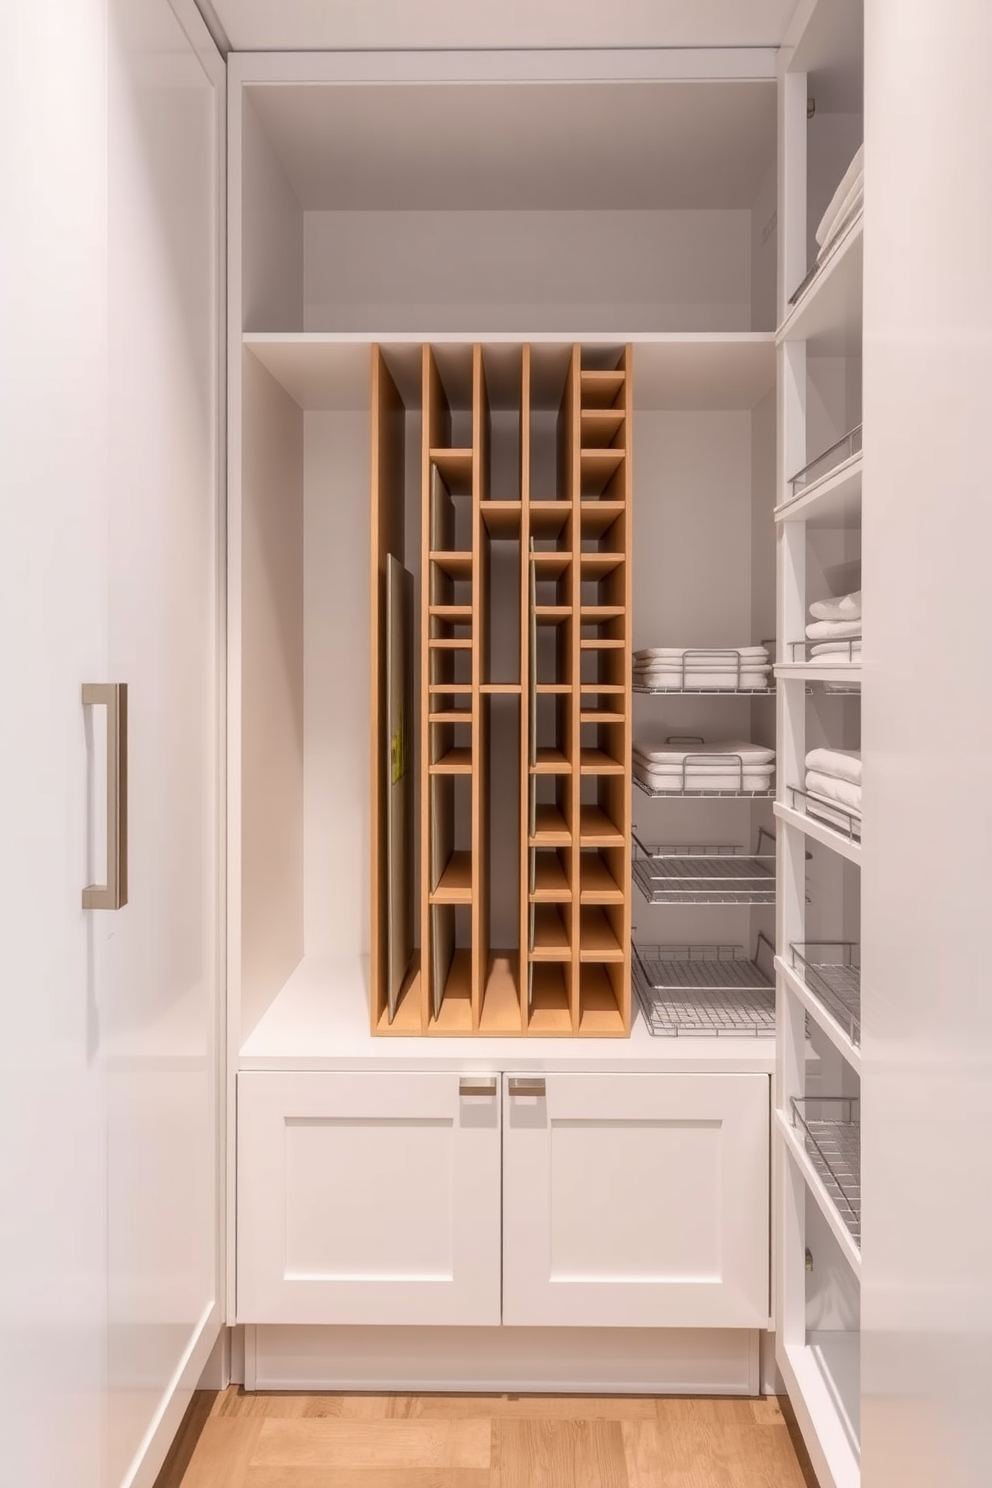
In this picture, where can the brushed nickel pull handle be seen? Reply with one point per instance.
(112, 696)
(477, 1085)
(538, 1087)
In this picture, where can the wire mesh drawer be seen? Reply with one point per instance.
(705, 989)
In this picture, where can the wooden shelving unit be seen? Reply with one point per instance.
(568, 972)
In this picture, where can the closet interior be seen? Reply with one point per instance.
(571, 425)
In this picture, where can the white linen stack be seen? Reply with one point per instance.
(671, 765)
(674, 668)
(843, 205)
(835, 630)
(833, 779)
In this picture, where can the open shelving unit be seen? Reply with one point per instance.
(818, 519)
(524, 595)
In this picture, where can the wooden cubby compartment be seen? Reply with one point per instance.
(522, 797)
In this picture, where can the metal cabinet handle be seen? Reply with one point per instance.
(538, 1087)
(477, 1085)
(112, 696)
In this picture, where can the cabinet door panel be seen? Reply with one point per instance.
(157, 957)
(637, 1200)
(367, 1198)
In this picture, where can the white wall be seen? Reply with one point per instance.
(527, 271)
(764, 253)
(927, 1051)
(271, 243)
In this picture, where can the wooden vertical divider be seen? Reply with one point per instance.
(435, 434)
(480, 703)
(624, 909)
(523, 962)
(571, 478)
(387, 536)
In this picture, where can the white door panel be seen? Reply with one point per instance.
(53, 329)
(367, 1198)
(636, 1200)
(158, 956)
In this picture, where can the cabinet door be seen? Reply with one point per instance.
(636, 1201)
(157, 957)
(53, 518)
(368, 1198)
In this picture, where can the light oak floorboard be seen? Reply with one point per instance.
(491, 1441)
(373, 1477)
(361, 1445)
(558, 1454)
(223, 1454)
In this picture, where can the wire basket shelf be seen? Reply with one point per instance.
(831, 974)
(703, 874)
(831, 1132)
(711, 990)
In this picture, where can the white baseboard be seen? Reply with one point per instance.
(498, 1360)
(174, 1403)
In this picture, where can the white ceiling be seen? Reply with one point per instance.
(314, 25)
(553, 146)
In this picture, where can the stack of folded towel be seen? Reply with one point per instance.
(674, 765)
(674, 668)
(835, 630)
(833, 778)
(843, 205)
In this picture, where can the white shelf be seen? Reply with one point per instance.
(832, 501)
(829, 316)
(797, 1151)
(805, 671)
(820, 1015)
(703, 372)
(820, 833)
(330, 370)
(320, 1021)
(818, 1376)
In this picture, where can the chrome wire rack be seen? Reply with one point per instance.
(831, 972)
(831, 459)
(831, 1128)
(846, 823)
(704, 874)
(706, 989)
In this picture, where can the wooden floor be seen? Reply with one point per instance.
(487, 1441)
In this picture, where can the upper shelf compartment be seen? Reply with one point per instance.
(823, 175)
(375, 206)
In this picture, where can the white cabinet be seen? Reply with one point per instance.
(606, 1200)
(110, 448)
(368, 1197)
(636, 1201)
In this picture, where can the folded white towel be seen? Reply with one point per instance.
(842, 764)
(658, 751)
(841, 792)
(671, 681)
(844, 607)
(759, 653)
(832, 630)
(845, 214)
(706, 766)
(691, 664)
(830, 216)
(749, 779)
(831, 651)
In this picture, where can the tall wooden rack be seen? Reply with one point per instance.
(569, 971)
